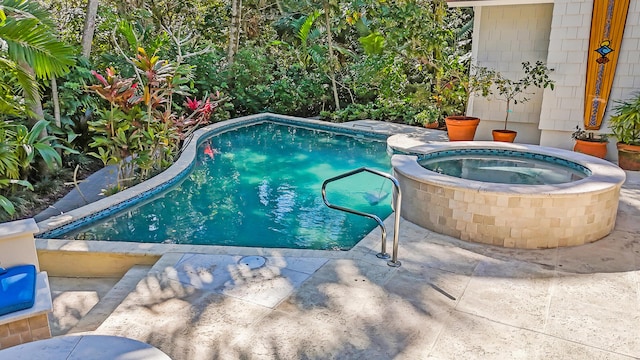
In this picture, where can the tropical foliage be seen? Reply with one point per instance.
(19, 149)
(625, 123)
(139, 131)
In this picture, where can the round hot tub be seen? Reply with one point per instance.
(510, 195)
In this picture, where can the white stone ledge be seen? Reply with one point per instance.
(16, 243)
(18, 228)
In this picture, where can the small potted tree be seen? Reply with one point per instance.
(587, 142)
(464, 85)
(625, 126)
(513, 92)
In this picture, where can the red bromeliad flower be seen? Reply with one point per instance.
(194, 104)
(207, 108)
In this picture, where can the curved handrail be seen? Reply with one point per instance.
(383, 253)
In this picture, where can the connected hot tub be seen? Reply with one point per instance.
(510, 195)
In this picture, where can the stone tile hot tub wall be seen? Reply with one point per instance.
(537, 216)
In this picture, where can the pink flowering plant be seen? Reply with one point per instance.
(141, 131)
(201, 111)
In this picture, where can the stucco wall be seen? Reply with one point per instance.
(563, 108)
(17, 245)
(504, 37)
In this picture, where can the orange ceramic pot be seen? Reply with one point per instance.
(461, 128)
(504, 135)
(629, 156)
(433, 125)
(593, 148)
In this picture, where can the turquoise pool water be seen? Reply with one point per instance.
(260, 186)
(503, 166)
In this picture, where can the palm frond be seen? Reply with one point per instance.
(465, 31)
(30, 37)
(305, 28)
(23, 9)
(32, 42)
(23, 78)
(9, 164)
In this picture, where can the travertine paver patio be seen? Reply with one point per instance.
(448, 300)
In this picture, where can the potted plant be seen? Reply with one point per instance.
(589, 143)
(513, 91)
(625, 126)
(429, 117)
(463, 128)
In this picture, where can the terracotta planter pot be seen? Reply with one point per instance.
(461, 128)
(628, 156)
(433, 125)
(504, 135)
(593, 148)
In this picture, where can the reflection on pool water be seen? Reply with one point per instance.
(502, 169)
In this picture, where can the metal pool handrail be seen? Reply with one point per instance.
(396, 226)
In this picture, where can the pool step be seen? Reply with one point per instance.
(111, 300)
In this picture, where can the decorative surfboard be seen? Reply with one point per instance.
(607, 27)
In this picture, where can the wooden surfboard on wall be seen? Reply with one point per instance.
(607, 27)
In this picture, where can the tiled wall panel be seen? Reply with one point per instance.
(24, 330)
(510, 220)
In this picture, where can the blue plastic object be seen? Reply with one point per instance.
(17, 288)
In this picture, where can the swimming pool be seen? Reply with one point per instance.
(258, 184)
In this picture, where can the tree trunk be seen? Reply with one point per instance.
(56, 105)
(332, 75)
(56, 101)
(89, 27)
(234, 30)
